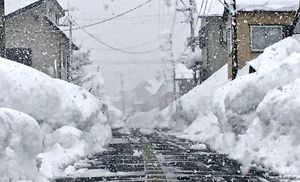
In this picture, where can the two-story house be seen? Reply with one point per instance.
(32, 37)
(259, 25)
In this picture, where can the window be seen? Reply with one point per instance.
(223, 35)
(56, 19)
(264, 36)
(21, 55)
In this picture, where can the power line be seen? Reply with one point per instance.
(128, 47)
(132, 17)
(206, 3)
(210, 6)
(111, 18)
(117, 49)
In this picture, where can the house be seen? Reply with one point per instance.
(259, 25)
(183, 79)
(212, 37)
(33, 37)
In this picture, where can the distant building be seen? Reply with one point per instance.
(32, 37)
(212, 38)
(258, 27)
(183, 79)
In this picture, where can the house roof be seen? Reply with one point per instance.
(14, 9)
(55, 27)
(36, 4)
(216, 8)
(267, 5)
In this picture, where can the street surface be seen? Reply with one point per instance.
(159, 157)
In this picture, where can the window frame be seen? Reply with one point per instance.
(263, 25)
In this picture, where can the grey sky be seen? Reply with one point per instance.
(136, 31)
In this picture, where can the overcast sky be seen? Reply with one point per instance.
(137, 31)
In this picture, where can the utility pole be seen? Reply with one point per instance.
(192, 25)
(171, 52)
(70, 61)
(192, 39)
(234, 53)
(122, 93)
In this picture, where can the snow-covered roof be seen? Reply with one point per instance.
(268, 5)
(183, 72)
(14, 5)
(216, 8)
(154, 86)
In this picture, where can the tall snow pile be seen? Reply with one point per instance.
(20, 142)
(254, 118)
(70, 117)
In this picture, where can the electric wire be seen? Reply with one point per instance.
(117, 49)
(111, 18)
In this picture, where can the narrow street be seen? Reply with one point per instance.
(160, 157)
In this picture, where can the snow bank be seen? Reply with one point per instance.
(71, 119)
(254, 118)
(197, 103)
(50, 101)
(66, 144)
(20, 142)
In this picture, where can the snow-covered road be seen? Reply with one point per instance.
(134, 156)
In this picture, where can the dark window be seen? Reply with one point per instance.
(36, 17)
(264, 36)
(21, 55)
(56, 19)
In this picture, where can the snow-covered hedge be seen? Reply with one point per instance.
(254, 118)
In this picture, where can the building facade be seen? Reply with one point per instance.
(32, 37)
(257, 30)
(213, 44)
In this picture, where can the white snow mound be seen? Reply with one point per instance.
(254, 118)
(20, 142)
(50, 101)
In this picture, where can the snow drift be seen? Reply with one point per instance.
(70, 118)
(50, 101)
(20, 142)
(254, 118)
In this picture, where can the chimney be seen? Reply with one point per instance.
(2, 29)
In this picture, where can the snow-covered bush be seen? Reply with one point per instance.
(20, 142)
(93, 80)
(193, 59)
